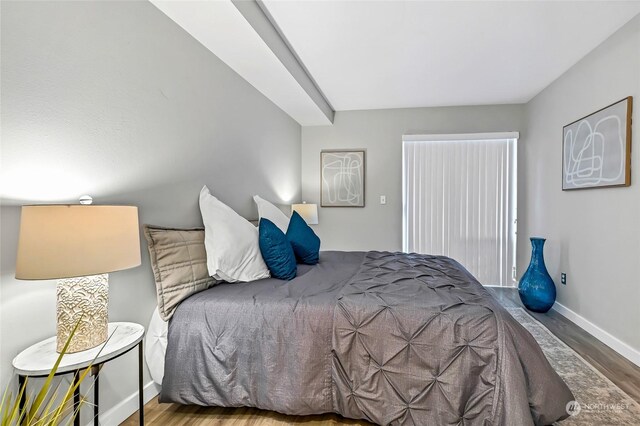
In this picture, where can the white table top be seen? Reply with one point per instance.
(37, 360)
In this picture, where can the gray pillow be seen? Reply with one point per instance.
(179, 264)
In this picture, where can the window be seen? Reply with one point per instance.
(459, 200)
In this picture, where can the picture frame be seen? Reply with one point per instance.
(342, 178)
(596, 149)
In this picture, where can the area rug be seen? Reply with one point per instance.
(598, 400)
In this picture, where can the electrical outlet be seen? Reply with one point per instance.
(383, 199)
(563, 278)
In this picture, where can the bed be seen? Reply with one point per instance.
(392, 338)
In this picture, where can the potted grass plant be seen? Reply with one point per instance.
(52, 405)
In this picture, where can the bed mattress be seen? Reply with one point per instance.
(392, 338)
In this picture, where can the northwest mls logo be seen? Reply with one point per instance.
(573, 408)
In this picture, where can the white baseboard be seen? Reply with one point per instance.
(125, 408)
(613, 342)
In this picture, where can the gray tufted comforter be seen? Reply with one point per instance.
(388, 337)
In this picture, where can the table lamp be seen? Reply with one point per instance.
(309, 212)
(78, 245)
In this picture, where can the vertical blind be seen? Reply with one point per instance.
(459, 200)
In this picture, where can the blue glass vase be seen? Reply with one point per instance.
(537, 290)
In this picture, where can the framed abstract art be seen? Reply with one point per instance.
(342, 176)
(596, 149)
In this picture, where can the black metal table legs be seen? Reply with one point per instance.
(96, 390)
(23, 397)
(76, 398)
(96, 398)
(140, 384)
(95, 372)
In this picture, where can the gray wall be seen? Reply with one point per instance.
(601, 261)
(376, 226)
(115, 100)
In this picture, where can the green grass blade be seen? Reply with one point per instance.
(15, 414)
(47, 384)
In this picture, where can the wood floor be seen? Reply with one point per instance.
(620, 371)
(616, 368)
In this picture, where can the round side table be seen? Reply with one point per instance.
(38, 360)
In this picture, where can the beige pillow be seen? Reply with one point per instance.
(179, 264)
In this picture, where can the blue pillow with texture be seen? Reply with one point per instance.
(276, 251)
(305, 242)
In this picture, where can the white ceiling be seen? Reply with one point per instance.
(397, 54)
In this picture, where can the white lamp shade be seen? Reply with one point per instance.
(64, 241)
(309, 212)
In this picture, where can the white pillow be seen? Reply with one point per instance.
(231, 242)
(271, 212)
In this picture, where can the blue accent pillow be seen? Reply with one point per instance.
(305, 242)
(276, 251)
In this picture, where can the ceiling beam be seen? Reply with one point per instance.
(263, 23)
(244, 38)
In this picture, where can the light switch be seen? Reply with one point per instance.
(383, 199)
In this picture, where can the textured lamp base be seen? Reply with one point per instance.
(84, 300)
